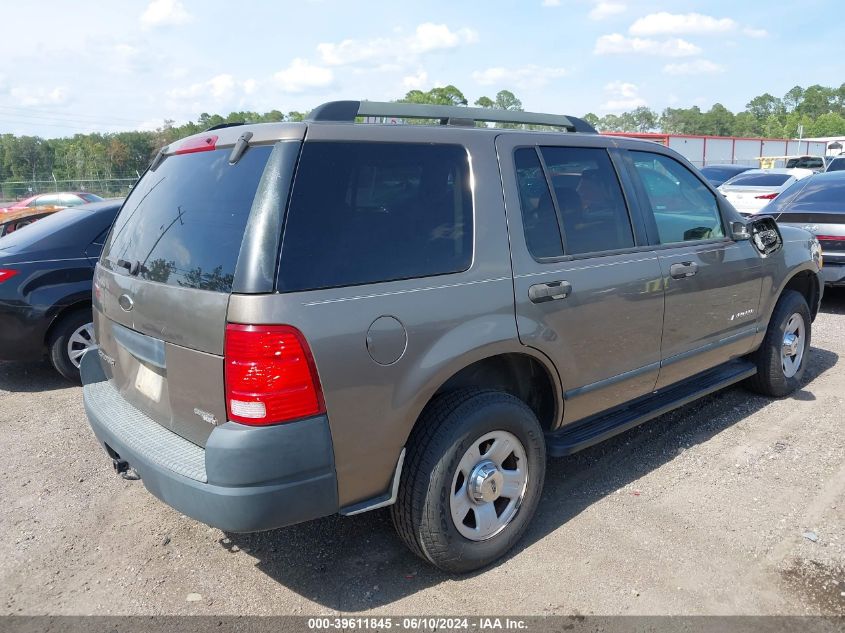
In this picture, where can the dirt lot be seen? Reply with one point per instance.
(732, 505)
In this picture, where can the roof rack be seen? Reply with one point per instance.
(347, 111)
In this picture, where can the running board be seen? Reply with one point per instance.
(598, 428)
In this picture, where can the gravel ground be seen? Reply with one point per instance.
(732, 505)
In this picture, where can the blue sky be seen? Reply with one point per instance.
(109, 66)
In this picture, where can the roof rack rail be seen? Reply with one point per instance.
(347, 111)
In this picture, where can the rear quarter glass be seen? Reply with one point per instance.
(365, 213)
(184, 222)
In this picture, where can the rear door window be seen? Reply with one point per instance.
(372, 212)
(184, 222)
(589, 199)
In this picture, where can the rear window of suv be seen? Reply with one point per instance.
(373, 212)
(184, 222)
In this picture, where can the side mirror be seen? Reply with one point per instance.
(765, 234)
(739, 231)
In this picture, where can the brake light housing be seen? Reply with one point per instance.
(7, 273)
(199, 144)
(767, 196)
(270, 375)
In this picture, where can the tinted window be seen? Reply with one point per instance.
(185, 221)
(684, 209)
(822, 193)
(372, 212)
(90, 197)
(41, 201)
(539, 220)
(589, 198)
(758, 180)
(720, 172)
(837, 164)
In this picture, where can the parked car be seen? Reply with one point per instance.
(837, 163)
(754, 189)
(817, 204)
(61, 199)
(816, 163)
(45, 286)
(300, 319)
(718, 174)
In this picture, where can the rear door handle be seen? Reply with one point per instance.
(551, 291)
(683, 270)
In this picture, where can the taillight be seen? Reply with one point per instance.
(270, 375)
(7, 273)
(199, 144)
(768, 196)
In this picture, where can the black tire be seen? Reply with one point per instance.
(446, 430)
(57, 344)
(770, 379)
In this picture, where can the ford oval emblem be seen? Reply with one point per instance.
(125, 302)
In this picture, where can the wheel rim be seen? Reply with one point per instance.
(792, 348)
(489, 485)
(80, 342)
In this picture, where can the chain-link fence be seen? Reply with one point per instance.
(11, 190)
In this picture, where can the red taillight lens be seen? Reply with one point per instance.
(768, 196)
(270, 375)
(199, 144)
(7, 273)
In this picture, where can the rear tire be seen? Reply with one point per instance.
(71, 336)
(780, 372)
(472, 479)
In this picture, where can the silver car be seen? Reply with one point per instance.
(300, 319)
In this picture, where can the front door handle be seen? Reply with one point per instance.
(683, 270)
(551, 291)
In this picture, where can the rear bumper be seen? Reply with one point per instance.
(22, 332)
(246, 479)
(833, 273)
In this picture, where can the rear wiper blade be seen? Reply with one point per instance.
(133, 267)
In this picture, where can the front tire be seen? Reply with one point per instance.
(472, 481)
(782, 357)
(71, 337)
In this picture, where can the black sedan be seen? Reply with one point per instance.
(817, 204)
(46, 270)
(719, 174)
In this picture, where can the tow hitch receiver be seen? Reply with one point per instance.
(122, 468)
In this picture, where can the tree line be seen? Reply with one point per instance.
(819, 110)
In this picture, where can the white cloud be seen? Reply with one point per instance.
(427, 37)
(755, 33)
(301, 75)
(616, 43)
(529, 76)
(221, 88)
(695, 67)
(622, 96)
(165, 13)
(604, 10)
(664, 23)
(37, 96)
(417, 81)
(551, 3)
